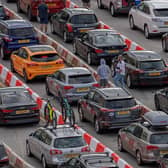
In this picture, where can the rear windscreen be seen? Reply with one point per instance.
(161, 12)
(159, 138)
(84, 19)
(122, 103)
(152, 65)
(22, 32)
(79, 79)
(44, 57)
(69, 142)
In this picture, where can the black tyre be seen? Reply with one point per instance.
(120, 145)
(72, 118)
(129, 81)
(46, 113)
(25, 77)
(99, 4)
(44, 163)
(3, 55)
(89, 59)
(12, 67)
(81, 114)
(63, 111)
(131, 23)
(139, 158)
(52, 28)
(97, 126)
(28, 151)
(112, 10)
(164, 45)
(74, 48)
(19, 10)
(113, 72)
(146, 32)
(157, 103)
(54, 120)
(65, 37)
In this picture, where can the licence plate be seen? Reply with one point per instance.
(123, 112)
(83, 30)
(163, 152)
(71, 155)
(23, 41)
(51, 5)
(113, 51)
(166, 23)
(46, 66)
(22, 111)
(154, 74)
(82, 89)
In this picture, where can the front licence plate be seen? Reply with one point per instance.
(82, 89)
(71, 155)
(163, 152)
(23, 41)
(123, 112)
(22, 111)
(113, 51)
(154, 74)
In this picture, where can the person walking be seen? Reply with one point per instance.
(119, 78)
(42, 13)
(103, 71)
(86, 3)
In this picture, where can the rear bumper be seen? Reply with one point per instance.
(74, 97)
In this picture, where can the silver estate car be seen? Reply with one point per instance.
(72, 83)
(146, 140)
(55, 146)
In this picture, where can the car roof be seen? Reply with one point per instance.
(16, 23)
(75, 71)
(143, 55)
(113, 93)
(157, 4)
(40, 48)
(9, 89)
(102, 31)
(79, 10)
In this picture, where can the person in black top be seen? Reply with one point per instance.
(86, 3)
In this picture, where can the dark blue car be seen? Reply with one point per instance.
(15, 34)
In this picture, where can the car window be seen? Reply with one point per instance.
(61, 77)
(159, 138)
(97, 98)
(64, 16)
(138, 131)
(146, 9)
(130, 128)
(144, 136)
(84, 19)
(44, 57)
(141, 7)
(85, 37)
(37, 134)
(20, 52)
(79, 79)
(24, 54)
(2, 11)
(161, 12)
(44, 137)
(152, 65)
(91, 95)
(22, 32)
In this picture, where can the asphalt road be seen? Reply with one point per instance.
(145, 95)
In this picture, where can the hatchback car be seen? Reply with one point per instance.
(71, 83)
(91, 160)
(15, 34)
(109, 108)
(146, 140)
(4, 160)
(55, 146)
(97, 44)
(150, 16)
(17, 106)
(145, 68)
(71, 22)
(35, 61)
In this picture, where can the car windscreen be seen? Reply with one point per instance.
(152, 65)
(69, 142)
(2, 152)
(19, 97)
(44, 57)
(108, 40)
(22, 32)
(121, 103)
(84, 19)
(79, 79)
(161, 12)
(159, 138)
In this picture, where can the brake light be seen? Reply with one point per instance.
(85, 149)
(135, 108)
(34, 108)
(151, 147)
(69, 27)
(7, 39)
(125, 49)
(68, 87)
(138, 71)
(7, 111)
(55, 152)
(60, 62)
(44, 56)
(31, 64)
(99, 26)
(98, 51)
(106, 110)
(96, 85)
(5, 159)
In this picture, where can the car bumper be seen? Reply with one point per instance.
(75, 97)
(158, 29)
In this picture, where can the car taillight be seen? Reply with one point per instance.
(151, 148)
(125, 49)
(137, 71)
(4, 159)
(7, 39)
(7, 111)
(68, 87)
(96, 85)
(135, 108)
(34, 108)
(69, 27)
(30, 64)
(60, 62)
(99, 26)
(85, 149)
(98, 51)
(106, 110)
(55, 152)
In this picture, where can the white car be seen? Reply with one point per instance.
(150, 16)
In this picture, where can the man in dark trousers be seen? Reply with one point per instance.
(42, 12)
(86, 3)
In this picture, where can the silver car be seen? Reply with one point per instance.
(72, 83)
(55, 146)
(146, 140)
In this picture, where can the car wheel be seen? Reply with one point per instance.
(99, 4)
(139, 158)
(112, 10)
(81, 115)
(3, 55)
(28, 151)
(129, 81)
(131, 23)
(52, 28)
(65, 37)
(74, 48)
(18, 7)
(44, 164)
(89, 59)
(120, 146)
(157, 104)
(47, 90)
(25, 76)
(97, 126)
(146, 32)
(29, 14)
(164, 45)
(12, 67)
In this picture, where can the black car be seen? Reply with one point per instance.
(90, 160)
(71, 22)
(161, 100)
(3, 14)
(4, 160)
(145, 68)
(165, 42)
(109, 108)
(97, 44)
(17, 106)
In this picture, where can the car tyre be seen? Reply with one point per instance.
(157, 104)
(19, 10)
(97, 126)
(28, 151)
(52, 28)
(139, 158)
(99, 4)
(25, 77)
(120, 145)
(43, 160)
(146, 32)
(65, 37)
(131, 23)
(12, 67)
(89, 59)
(47, 90)
(3, 55)
(74, 48)
(112, 10)
(129, 81)
(81, 114)
(164, 45)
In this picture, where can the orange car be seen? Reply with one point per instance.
(35, 61)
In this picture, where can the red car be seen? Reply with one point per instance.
(30, 7)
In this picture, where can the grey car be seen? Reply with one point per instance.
(55, 146)
(146, 140)
(72, 83)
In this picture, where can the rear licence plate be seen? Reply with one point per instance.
(83, 89)
(166, 23)
(46, 66)
(154, 74)
(83, 30)
(52, 5)
(71, 155)
(23, 41)
(22, 111)
(123, 112)
(163, 152)
(113, 51)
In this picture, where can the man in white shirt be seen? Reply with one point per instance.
(119, 78)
